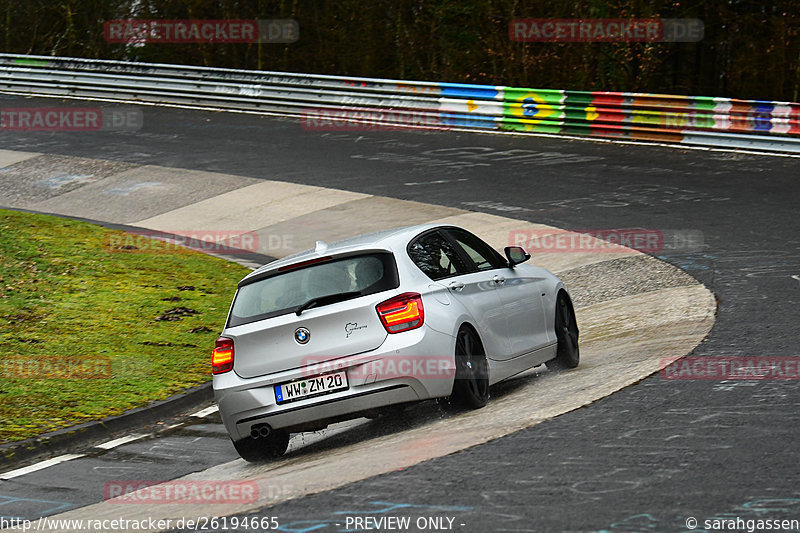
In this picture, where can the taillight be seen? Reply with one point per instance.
(222, 356)
(402, 313)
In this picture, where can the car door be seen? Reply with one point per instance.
(519, 291)
(437, 256)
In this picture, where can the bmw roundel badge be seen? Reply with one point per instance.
(302, 335)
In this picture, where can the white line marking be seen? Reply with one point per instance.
(434, 182)
(207, 411)
(40, 466)
(796, 277)
(118, 442)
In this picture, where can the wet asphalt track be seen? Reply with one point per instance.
(643, 459)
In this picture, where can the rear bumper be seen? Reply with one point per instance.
(410, 366)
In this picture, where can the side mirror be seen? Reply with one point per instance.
(516, 255)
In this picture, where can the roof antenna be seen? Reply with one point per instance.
(320, 247)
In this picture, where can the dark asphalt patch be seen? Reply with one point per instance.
(43, 177)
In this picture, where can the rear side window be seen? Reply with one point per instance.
(435, 256)
(284, 292)
(484, 256)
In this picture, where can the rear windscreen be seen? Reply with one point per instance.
(285, 292)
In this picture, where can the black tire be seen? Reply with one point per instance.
(568, 353)
(471, 386)
(259, 450)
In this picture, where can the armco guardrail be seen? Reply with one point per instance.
(696, 120)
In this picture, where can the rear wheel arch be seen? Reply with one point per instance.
(471, 383)
(468, 325)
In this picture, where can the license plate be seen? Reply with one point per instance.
(306, 388)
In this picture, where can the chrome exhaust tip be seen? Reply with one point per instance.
(260, 431)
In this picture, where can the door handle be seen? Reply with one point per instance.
(456, 286)
(499, 280)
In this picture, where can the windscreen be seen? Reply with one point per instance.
(285, 292)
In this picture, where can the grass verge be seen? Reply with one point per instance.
(90, 329)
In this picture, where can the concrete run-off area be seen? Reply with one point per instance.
(633, 310)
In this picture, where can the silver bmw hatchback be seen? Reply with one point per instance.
(348, 329)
